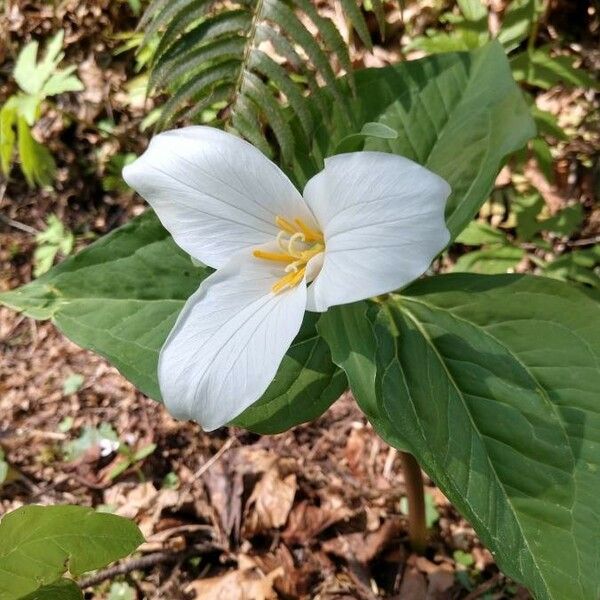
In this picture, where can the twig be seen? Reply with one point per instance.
(205, 467)
(144, 562)
(17, 225)
(484, 587)
(585, 242)
(213, 459)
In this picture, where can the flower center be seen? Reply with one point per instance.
(298, 244)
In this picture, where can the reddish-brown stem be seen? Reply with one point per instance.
(413, 479)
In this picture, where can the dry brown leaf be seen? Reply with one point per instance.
(413, 586)
(270, 503)
(363, 547)
(306, 520)
(246, 583)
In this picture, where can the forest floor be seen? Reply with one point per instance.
(317, 512)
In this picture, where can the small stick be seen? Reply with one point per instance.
(139, 564)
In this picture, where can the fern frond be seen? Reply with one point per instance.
(234, 53)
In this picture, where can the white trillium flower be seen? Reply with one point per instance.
(368, 224)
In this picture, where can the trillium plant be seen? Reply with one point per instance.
(256, 290)
(367, 224)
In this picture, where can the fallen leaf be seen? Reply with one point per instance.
(307, 520)
(363, 547)
(413, 586)
(246, 583)
(270, 503)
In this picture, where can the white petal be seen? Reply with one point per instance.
(214, 192)
(383, 220)
(228, 342)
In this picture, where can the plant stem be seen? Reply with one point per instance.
(413, 479)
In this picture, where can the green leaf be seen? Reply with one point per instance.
(63, 589)
(305, 386)
(349, 333)
(473, 10)
(24, 72)
(566, 221)
(8, 118)
(518, 21)
(543, 156)
(41, 543)
(538, 68)
(54, 239)
(459, 115)
(490, 261)
(358, 22)
(582, 266)
(492, 383)
(355, 141)
(119, 297)
(547, 123)
(62, 82)
(477, 233)
(37, 163)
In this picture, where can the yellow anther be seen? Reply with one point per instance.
(310, 234)
(285, 225)
(276, 256)
(298, 244)
(288, 281)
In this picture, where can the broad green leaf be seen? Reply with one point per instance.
(63, 589)
(459, 114)
(349, 333)
(41, 543)
(492, 383)
(119, 297)
(490, 261)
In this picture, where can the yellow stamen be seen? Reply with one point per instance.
(285, 225)
(275, 256)
(310, 234)
(289, 280)
(298, 244)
